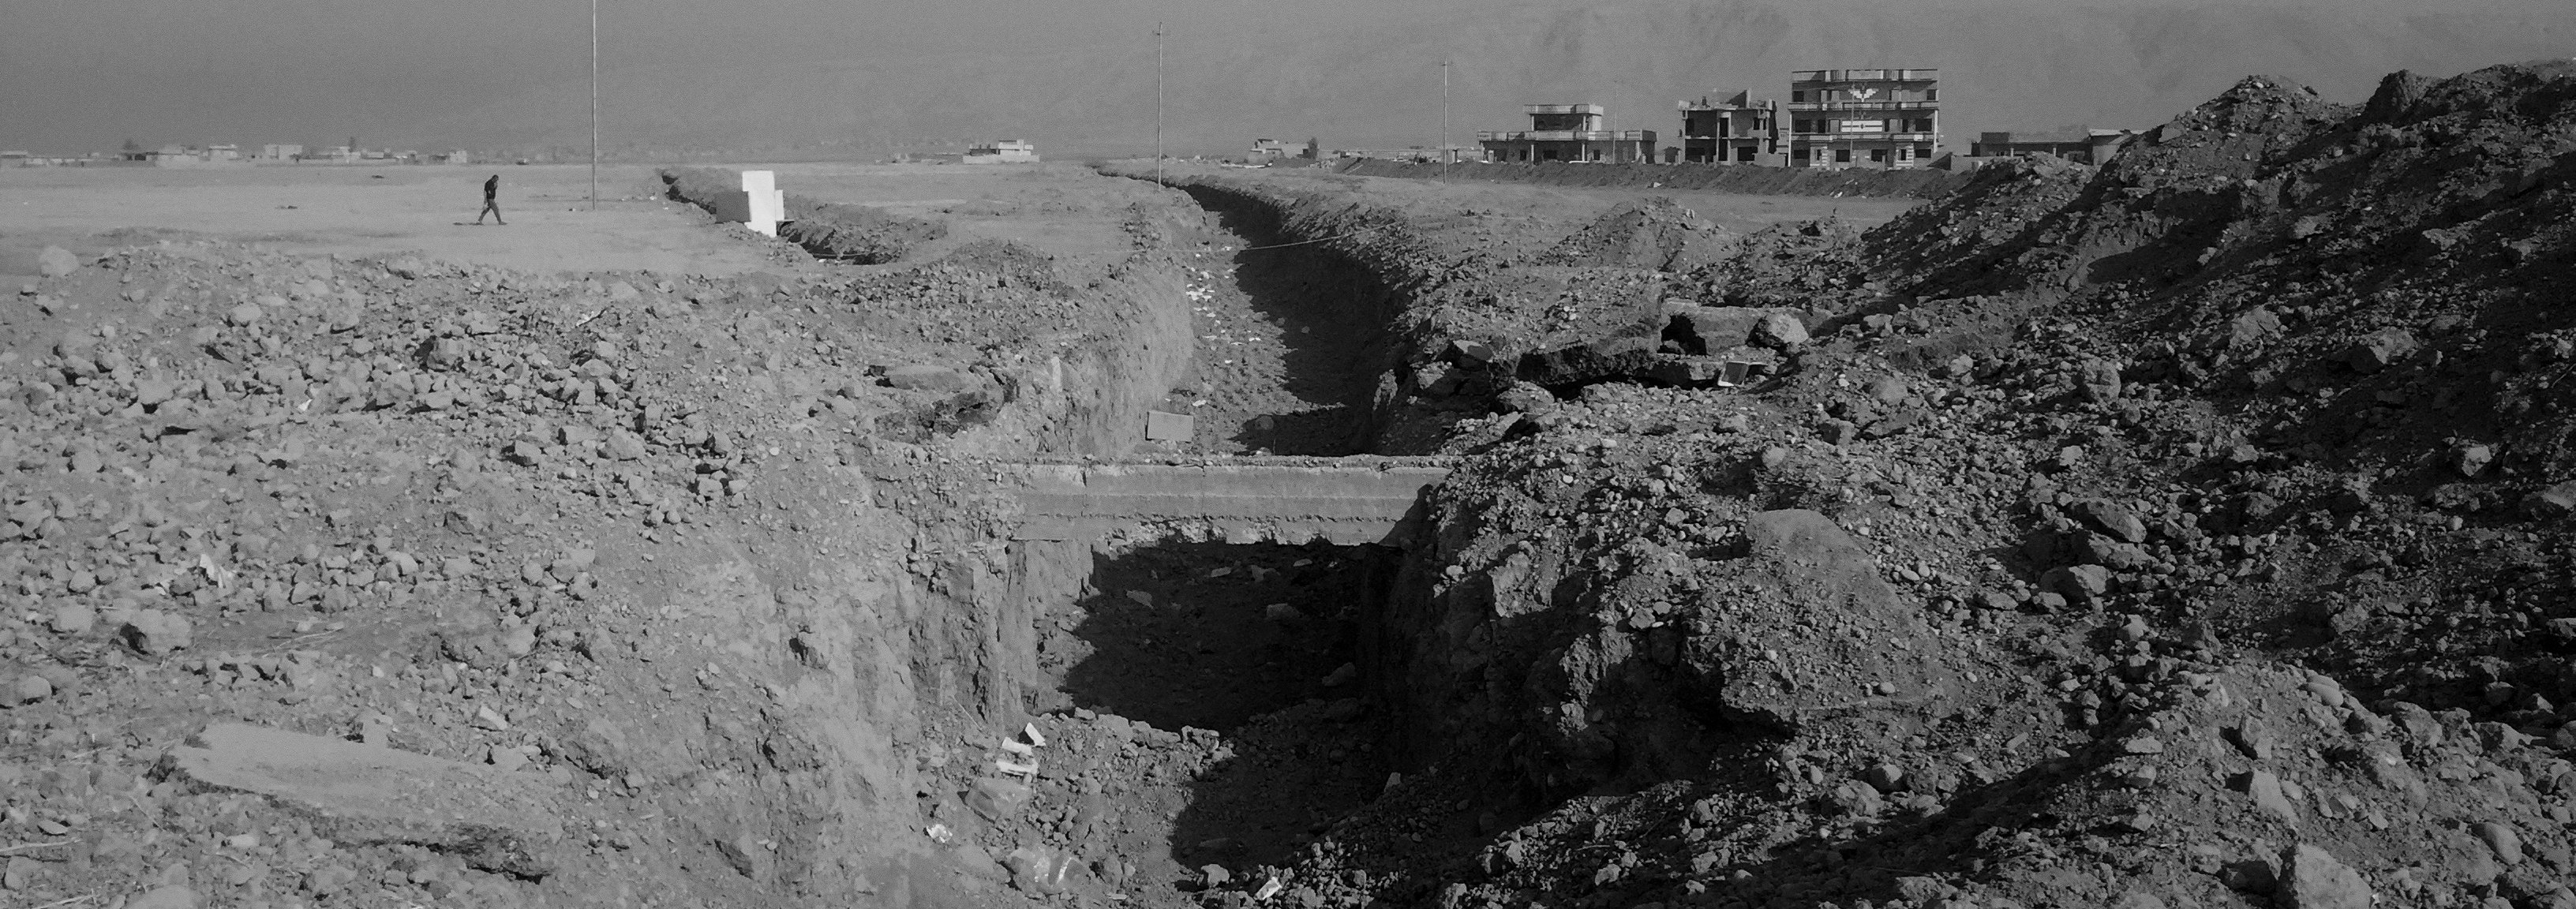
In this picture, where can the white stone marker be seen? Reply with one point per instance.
(767, 205)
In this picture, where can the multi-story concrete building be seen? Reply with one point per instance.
(1567, 132)
(1738, 130)
(1887, 118)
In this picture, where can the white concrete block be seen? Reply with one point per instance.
(767, 203)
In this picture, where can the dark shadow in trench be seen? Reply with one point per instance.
(1330, 314)
(1241, 639)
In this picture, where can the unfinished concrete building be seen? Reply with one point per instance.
(1568, 133)
(1737, 130)
(1882, 118)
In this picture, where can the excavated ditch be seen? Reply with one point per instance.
(1291, 336)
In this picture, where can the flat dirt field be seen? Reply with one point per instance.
(369, 210)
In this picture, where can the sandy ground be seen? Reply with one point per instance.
(369, 210)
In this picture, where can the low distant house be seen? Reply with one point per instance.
(1570, 133)
(1267, 150)
(225, 152)
(1006, 151)
(457, 157)
(15, 158)
(276, 152)
(2084, 146)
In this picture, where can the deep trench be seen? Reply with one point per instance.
(1267, 644)
(1292, 336)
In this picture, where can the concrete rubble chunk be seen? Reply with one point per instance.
(155, 633)
(1780, 330)
(2314, 879)
(1169, 427)
(354, 793)
(56, 262)
(925, 377)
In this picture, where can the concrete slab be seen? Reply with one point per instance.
(1169, 427)
(366, 794)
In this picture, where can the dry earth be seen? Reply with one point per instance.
(2189, 531)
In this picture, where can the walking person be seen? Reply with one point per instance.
(491, 203)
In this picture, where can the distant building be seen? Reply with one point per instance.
(1883, 118)
(1567, 132)
(275, 152)
(1738, 130)
(457, 157)
(1267, 150)
(2087, 146)
(1007, 151)
(226, 152)
(15, 158)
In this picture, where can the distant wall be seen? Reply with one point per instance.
(1750, 179)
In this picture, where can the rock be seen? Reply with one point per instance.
(2312, 879)
(56, 262)
(243, 314)
(2111, 518)
(2501, 837)
(72, 619)
(155, 633)
(2099, 381)
(928, 378)
(2379, 349)
(356, 794)
(997, 799)
(1858, 799)
(1526, 397)
(1039, 870)
(406, 268)
(2142, 744)
(1837, 432)
(1470, 353)
(1883, 777)
(2471, 459)
(1213, 876)
(2555, 501)
(2079, 583)
(1780, 330)
(2252, 328)
(2136, 900)
(2264, 789)
(28, 689)
(175, 896)
(624, 446)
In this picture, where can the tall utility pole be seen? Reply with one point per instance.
(1444, 118)
(1158, 102)
(594, 105)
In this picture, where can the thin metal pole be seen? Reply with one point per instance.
(1158, 99)
(594, 105)
(1444, 118)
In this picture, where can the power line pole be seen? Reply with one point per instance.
(594, 105)
(1158, 101)
(1444, 118)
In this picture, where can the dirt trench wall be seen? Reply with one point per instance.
(1092, 399)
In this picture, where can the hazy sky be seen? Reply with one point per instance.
(1079, 74)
